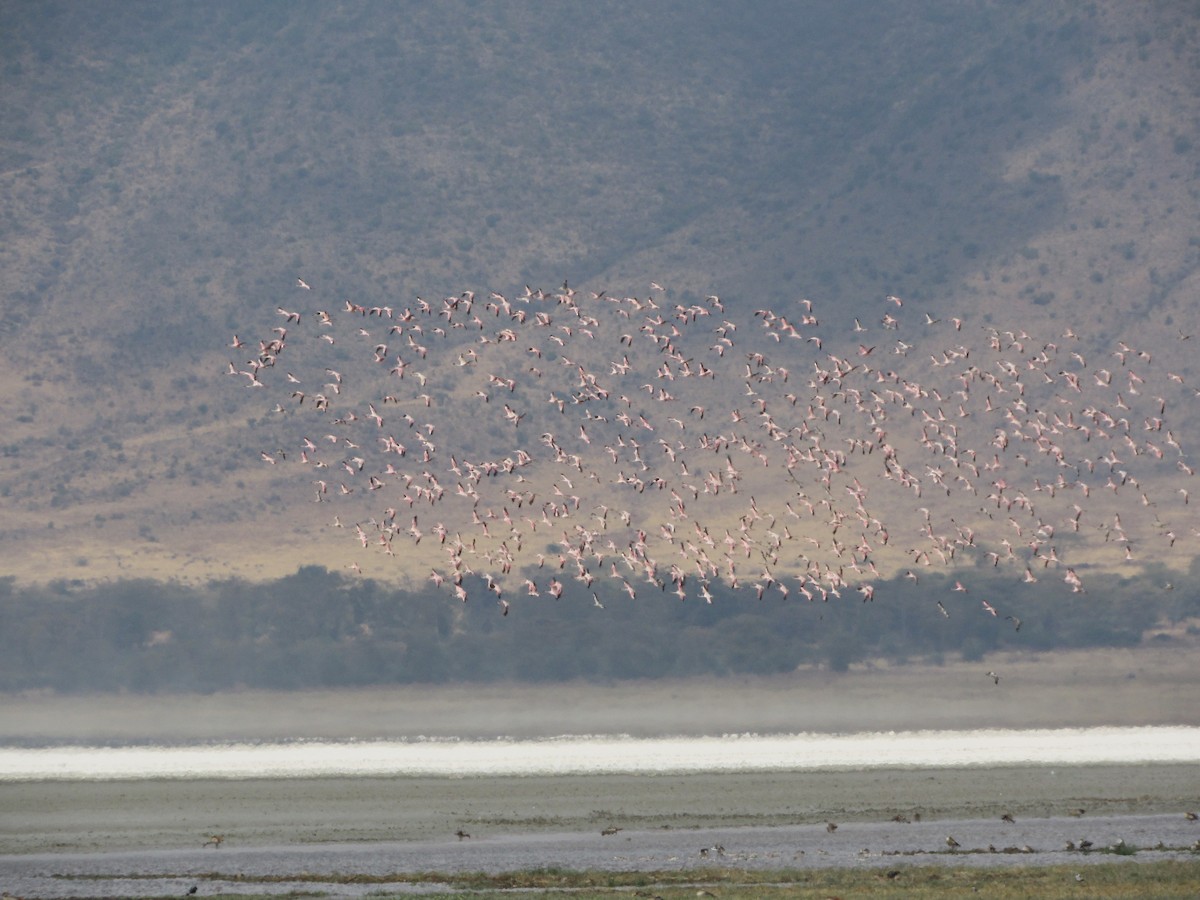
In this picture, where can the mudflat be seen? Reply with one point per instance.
(57, 817)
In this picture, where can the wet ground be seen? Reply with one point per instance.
(161, 815)
(90, 839)
(327, 867)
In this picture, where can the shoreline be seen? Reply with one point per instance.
(608, 755)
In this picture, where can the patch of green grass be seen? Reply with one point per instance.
(1161, 880)
(1108, 881)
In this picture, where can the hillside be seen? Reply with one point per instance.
(169, 171)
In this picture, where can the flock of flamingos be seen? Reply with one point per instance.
(573, 443)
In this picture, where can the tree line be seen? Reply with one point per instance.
(318, 628)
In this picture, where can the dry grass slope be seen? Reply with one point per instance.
(1033, 166)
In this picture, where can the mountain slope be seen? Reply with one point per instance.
(169, 171)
